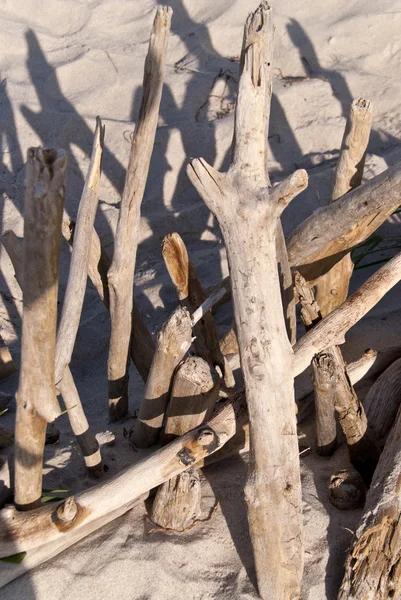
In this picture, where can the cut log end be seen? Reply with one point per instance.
(347, 490)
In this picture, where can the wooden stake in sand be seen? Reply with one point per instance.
(121, 272)
(36, 398)
(248, 212)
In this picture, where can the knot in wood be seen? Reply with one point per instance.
(186, 457)
(208, 438)
(67, 511)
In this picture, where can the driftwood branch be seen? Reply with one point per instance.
(121, 272)
(36, 397)
(79, 424)
(76, 285)
(7, 365)
(191, 295)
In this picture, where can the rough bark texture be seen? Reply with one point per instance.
(36, 398)
(191, 295)
(332, 288)
(373, 566)
(173, 341)
(76, 285)
(248, 213)
(177, 504)
(121, 272)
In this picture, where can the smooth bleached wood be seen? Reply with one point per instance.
(191, 295)
(121, 272)
(36, 398)
(248, 212)
(78, 273)
(142, 344)
(332, 288)
(76, 415)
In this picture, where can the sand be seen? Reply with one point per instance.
(62, 62)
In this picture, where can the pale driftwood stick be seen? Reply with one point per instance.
(7, 365)
(373, 566)
(193, 397)
(332, 231)
(248, 212)
(80, 257)
(20, 532)
(177, 504)
(142, 344)
(36, 398)
(121, 272)
(286, 284)
(331, 330)
(332, 288)
(191, 295)
(383, 401)
(323, 376)
(173, 341)
(224, 283)
(79, 424)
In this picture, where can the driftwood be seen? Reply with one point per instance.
(332, 288)
(373, 566)
(7, 365)
(191, 295)
(36, 398)
(142, 345)
(383, 401)
(347, 490)
(121, 272)
(76, 285)
(177, 504)
(76, 415)
(248, 212)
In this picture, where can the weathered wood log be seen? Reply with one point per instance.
(7, 365)
(177, 504)
(142, 344)
(248, 212)
(121, 272)
(191, 295)
(383, 401)
(193, 397)
(332, 288)
(76, 415)
(229, 341)
(36, 398)
(331, 330)
(322, 374)
(78, 273)
(373, 565)
(286, 285)
(347, 490)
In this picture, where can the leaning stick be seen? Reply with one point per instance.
(191, 295)
(142, 344)
(79, 424)
(121, 272)
(331, 330)
(36, 397)
(248, 212)
(332, 288)
(76, 285)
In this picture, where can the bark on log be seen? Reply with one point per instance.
(177, 505)
(373, 565)
(76, 415)
(78, 273)
(248, 212)
(383, 401)
(332, 288)
(121, 272)
(142, 344)
(191, 295)
(36, 398)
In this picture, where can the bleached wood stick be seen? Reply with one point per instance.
(79, 424)
(372, 570)
(36, 397)
(248, 212)
(331, 330)
(191, 295)
(121, 272)
(142, 344)
(332, 288)
(332, 231)
(78, 273)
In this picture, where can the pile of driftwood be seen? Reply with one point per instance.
(189, 407)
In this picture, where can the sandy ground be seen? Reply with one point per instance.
(62, 62)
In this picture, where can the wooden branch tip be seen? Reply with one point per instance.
(207, 305)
